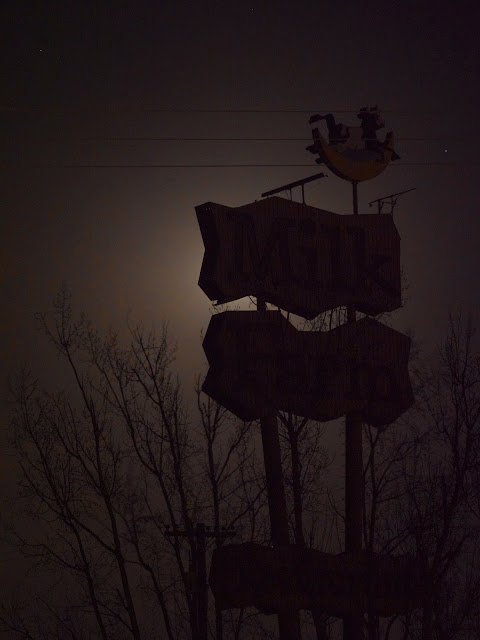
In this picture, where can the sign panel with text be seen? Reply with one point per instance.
(303, 259)
(260, 363)
(291, 578)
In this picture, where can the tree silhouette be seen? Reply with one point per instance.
(112, 467)
(116, 475)
(421, 483)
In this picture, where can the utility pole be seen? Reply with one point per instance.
(198, 572)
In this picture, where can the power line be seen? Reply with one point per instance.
(109, 109)
(216, 166)
(182, 139)
(26, 110)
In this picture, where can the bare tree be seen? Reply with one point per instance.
(116, 475)
(421, 479)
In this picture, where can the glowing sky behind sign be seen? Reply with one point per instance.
(106, 86)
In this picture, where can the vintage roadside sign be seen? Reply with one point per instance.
(303, 259)
(290, 578)
(260, 363)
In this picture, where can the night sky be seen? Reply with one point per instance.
(86, 85)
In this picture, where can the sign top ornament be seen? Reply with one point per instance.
(353, 152)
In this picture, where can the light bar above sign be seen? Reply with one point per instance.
(302, 259)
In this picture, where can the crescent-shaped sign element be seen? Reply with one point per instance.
(350, 163)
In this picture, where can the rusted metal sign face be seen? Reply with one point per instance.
(260, 363)
(274, 579)
(302, 259)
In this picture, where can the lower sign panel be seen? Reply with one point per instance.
(260, 363)
(274, 579)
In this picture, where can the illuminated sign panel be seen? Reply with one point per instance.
(260, 363)
(302, 259)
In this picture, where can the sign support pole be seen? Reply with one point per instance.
(354, 483)
(288, 621)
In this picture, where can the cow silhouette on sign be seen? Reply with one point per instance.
(352, 137)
